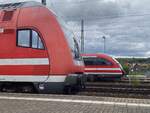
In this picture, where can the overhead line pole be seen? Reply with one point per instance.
(82, 36)
(104, 43)
(44, 2)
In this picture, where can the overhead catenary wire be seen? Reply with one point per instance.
(98, 20)
(117, 16)
(76, 2)
(110, 17)
(103, 16)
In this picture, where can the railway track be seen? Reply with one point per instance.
(118, 89)
(123, 88)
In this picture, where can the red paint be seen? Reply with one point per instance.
(24, 70)
(42, 20)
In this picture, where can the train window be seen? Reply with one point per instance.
(73, 44)
(97, 61)
(89, 61)
(101, 61)
(23, 38)
(35, 38)
(36, 41)
(76, 49)
(40, 44)
(29, 38)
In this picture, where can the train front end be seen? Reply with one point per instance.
(102, 66)
(36, 51)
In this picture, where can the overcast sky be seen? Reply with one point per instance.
(125, 23)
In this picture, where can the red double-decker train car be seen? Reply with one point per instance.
(37, 52)
(102, 66)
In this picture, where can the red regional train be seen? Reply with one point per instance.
(37, 52)
(102, 66)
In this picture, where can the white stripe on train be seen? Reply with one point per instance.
(114, 69)
(24, 61)
(32, 78)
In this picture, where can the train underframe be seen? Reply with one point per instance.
(97, 77)
(72, 84)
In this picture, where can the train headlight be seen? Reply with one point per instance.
(78, 62)
(41, 86)
(1, 30)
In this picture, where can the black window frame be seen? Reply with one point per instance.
(30, 46)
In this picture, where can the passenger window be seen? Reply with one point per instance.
(36, 41)
(97, 61)
(101, 61)
(29, 38)
(89, 61)
(35, 38)
(24, 38)
(40, 44)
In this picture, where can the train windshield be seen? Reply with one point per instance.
(73, 44)
(96, 61)
(117, 63)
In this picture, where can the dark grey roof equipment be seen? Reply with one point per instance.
(19, 5)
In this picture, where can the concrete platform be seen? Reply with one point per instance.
(35, 103)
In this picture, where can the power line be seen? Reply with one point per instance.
(82, 36)
(74, 3)
(110, 17)
(43, 2)
(104, 17)
(110, 28)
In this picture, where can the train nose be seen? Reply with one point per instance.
(124, 73)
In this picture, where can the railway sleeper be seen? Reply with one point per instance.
(118, 90)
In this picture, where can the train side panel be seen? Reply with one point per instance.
(19, 61)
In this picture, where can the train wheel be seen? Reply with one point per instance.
(68, 90)
(27, 89)
(92, 78)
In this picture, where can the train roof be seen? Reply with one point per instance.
(100, 55)
(10, 6)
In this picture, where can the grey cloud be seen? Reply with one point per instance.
(90, 10)
(126, 22)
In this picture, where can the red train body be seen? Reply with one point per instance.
(35, 48)
(102, 66)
